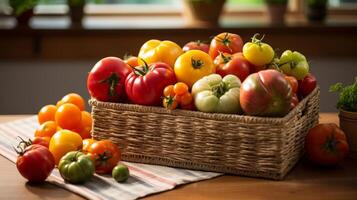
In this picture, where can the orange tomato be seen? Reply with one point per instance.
(293, 83)
(73, 98)
(47, 113)
(86, 125)
(44, 141)
(169, 91)
(170, 103)
(132, 61)
(47, 129)
(68, 116)
(186, 99)
(180, 88)
(86, 144)
(64, 141)
(106, 155)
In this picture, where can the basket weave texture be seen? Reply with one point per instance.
(236, 144)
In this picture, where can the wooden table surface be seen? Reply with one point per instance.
(304, 182)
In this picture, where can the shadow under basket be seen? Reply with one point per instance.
(235, 144)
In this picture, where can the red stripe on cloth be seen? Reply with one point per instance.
(149, 175)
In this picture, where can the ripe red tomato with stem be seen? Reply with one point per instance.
(196, 45)
(35, 162)
(105, 154)
(307, 85)
(106, 80)
(234, 64)
(326, 144)
(225, 43)
(146, 83)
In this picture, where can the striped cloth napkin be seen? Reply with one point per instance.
(144, 179)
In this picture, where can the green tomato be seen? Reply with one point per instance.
(76, 167)
(294, 64)
(120, 173)
(214, 94)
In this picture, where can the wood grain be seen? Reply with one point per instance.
(305, 181)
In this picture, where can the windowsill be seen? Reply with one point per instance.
(167, 22)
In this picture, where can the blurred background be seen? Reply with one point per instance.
(47, 47)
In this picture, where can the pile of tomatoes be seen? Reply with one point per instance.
(63, 139)
(266, 84)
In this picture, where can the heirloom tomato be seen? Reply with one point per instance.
(68, 116)
(326, 144)
(64, 141)
(257, 52)
(225, 43)
(35, 162)
(106, 155)
(214, 94)
(192, 66)
(76, 167)
(154, 51)
(146, 83)
(266, 93)
(106, 80)
(47, 113)
(294, 64)
(196, 45)
(234, 64)
(307, 85)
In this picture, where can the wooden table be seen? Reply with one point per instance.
(304, 182)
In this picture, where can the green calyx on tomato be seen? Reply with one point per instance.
(225, 40)
(76, 167)
(225, 59)
(214, 94)
(294, 64)
(196, 64)
(112, 81)
(142, 70)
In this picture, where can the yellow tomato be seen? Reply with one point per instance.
(192, 66)
(64, 141)
(159, 51)
(257, 52)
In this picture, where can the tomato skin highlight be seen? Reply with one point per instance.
(326, 144)
(36, 163)
(106, 80)
(147, 88)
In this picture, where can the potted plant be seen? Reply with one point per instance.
(316, 10)
(203, 12)
(23, 9)
(76, 8)
(276, 10)
(347, 104)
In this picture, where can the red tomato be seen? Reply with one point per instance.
(293, 83)
(106, 156)
(225, 43)
(198, 45)
(146, 83)
(307, 85)
(107, 78)
(326, 144)
(35, 162)
(44, 141)
(234, 64)
(265, 93)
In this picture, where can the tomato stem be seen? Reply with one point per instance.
(226, 59)
(197, 64)
(256, 40)
(220, 89)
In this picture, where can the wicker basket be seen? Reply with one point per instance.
(235, 144)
